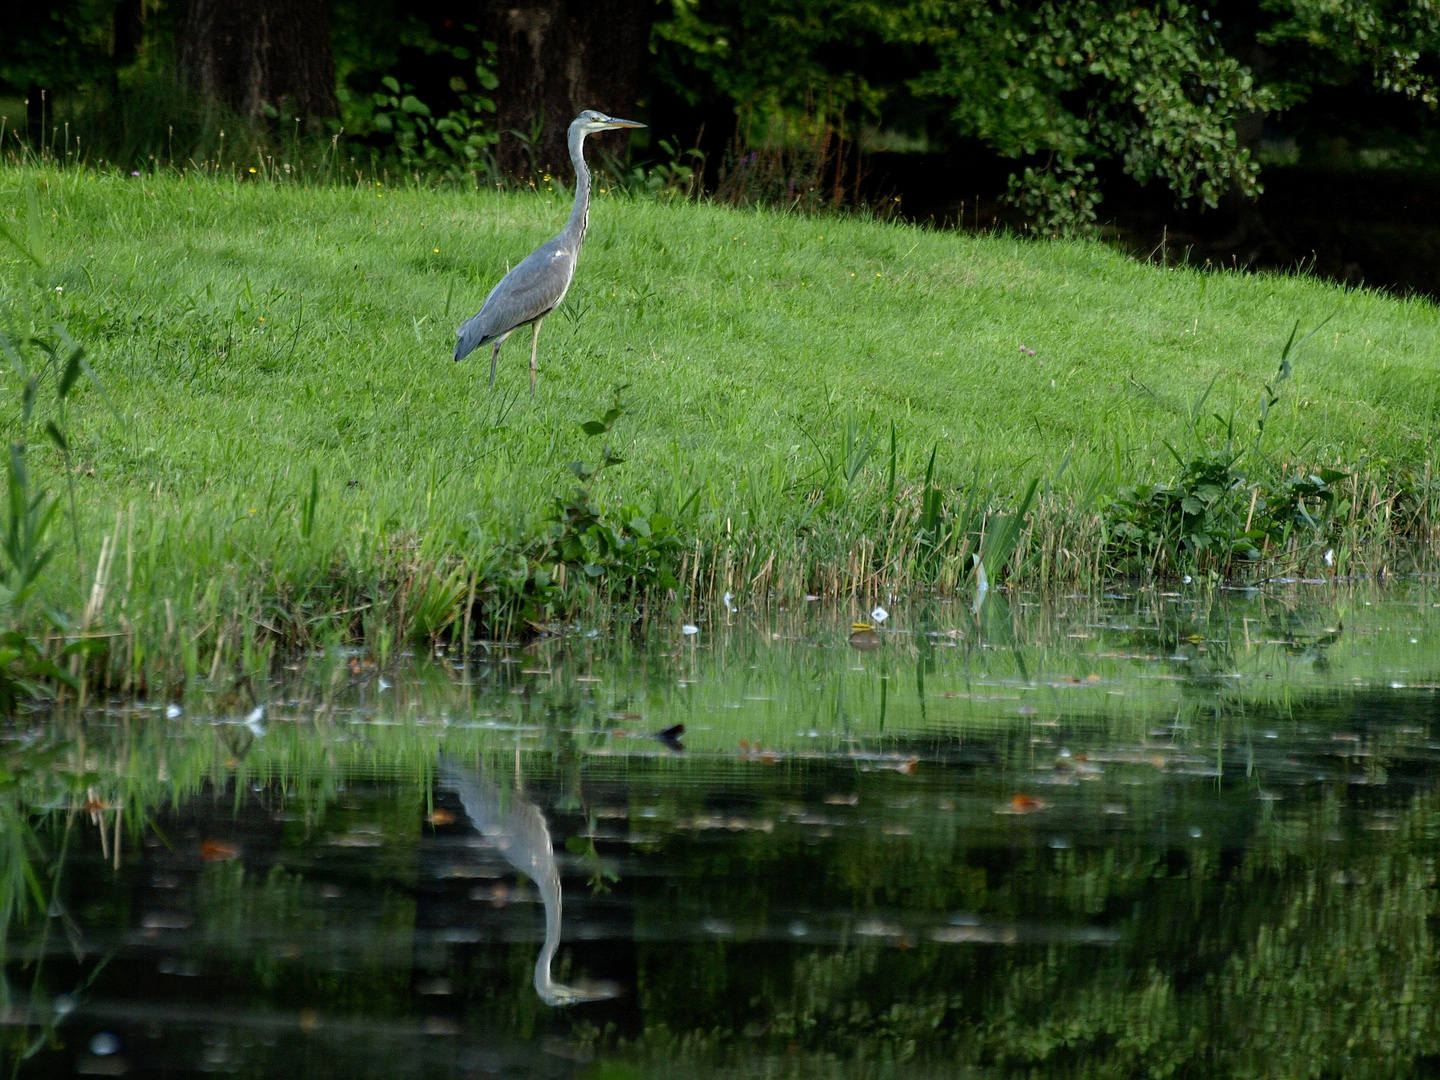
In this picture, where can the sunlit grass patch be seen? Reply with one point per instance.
(297, 459)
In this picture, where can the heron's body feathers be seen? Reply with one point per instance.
(530, 291)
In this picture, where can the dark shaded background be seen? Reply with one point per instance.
(1350, 173)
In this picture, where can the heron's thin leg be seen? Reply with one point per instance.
(534, 344)
(494, 355)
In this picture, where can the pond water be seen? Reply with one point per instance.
(1145, 834)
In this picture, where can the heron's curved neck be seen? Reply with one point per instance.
(580, 215)
(548, 880)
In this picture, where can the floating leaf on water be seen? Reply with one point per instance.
(670, 738)
(104, 1044)
(255, 721)
(864, 637)
(440, 817)
(877, 928)
(1025, 804)
(218, 851)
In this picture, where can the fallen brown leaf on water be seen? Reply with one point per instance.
(218, 851)
(1026, 804)
(758, 753)
(441, 817)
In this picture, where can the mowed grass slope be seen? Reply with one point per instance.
(249, 333)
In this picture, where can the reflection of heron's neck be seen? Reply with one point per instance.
(547, 878)
(580, 215)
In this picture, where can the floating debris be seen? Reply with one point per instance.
(864, 637)
(670, 738)
(218, 851)
(1023, 804)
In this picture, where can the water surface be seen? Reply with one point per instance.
(1150, 834)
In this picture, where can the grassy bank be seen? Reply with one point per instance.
(284, 452)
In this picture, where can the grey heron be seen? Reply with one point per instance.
(537, 285)
(516, 826)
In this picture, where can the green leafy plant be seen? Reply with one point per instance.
(620, 545)
(26, 672)
(37, 359)
(1216, 512)
(679, 174)
(458, 141)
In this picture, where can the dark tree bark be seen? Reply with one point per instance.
(556, 58)
(251, 53)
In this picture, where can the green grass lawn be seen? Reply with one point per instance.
(252, 336)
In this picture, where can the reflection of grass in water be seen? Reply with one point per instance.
(793, 689)
(1284, 921)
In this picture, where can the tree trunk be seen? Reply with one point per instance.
(248, 54)
(555, 59)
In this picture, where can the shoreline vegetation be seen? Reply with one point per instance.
(236, 432)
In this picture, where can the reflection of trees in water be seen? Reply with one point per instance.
(1305, 955)
(1263, 953)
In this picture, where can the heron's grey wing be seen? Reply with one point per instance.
(516, 822)
(527, 292)
(479, 797)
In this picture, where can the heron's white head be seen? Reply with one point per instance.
(591, 121)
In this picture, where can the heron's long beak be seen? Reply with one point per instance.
(616, 122)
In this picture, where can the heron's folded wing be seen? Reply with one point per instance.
(530, 290)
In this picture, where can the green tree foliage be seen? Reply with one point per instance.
(1396, 41)
(1081, 83)
(52, 45)
(1068, 89)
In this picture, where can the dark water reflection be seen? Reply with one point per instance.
(1153, 835)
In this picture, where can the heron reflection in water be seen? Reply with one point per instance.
(518, 829)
